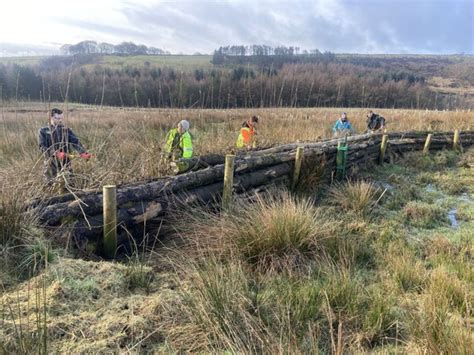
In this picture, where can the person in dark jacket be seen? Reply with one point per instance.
(56, 143)
(375, 122)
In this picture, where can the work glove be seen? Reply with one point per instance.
(85, 156)
(60, 155)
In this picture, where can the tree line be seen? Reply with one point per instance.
(318, 84)
(124, 48)
(266, 55)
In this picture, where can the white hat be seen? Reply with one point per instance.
(184, 125)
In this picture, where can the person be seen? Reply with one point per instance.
(342, 126)
(246, 138)
(56, 142)
(375, 122)
(179, 144)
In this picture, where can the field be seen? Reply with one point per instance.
(178, 62)
(380, 263)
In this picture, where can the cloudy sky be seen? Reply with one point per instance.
(189, 26)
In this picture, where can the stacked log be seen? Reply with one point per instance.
(141, 203)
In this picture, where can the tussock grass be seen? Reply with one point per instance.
(406, 271)
(449, 289)
(275, 227)
(436, 329)
(138, 273)
(217, 310)
(383, 320)
(424, 215)
(11, 218)
(455, 257)
(24, 250)
(274, 232)
(359, 197)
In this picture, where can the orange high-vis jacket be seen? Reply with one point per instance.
(245, 137)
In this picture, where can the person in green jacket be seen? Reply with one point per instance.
(179, 143)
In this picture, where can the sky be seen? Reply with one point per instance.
(190, 26)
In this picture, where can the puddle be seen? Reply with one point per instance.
(387, 186)
(452, 218)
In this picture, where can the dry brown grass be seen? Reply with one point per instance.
(126, 143)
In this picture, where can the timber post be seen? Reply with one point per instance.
(297, 171)
(383, 148)
(228, 181)
(426, 148)
(456, 144)
(110, 220)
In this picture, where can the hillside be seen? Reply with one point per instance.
(383, 81)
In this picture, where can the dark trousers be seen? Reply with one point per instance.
(52, 167)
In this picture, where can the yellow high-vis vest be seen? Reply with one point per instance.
(182, 144)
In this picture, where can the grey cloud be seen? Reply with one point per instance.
(391, 26)
(102, 28)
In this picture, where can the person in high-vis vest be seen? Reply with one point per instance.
(247, 134)
(179, 143)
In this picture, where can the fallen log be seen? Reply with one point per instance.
(214, 159)
(145, 211)
(139, 213)
(197, 163)
(91, 204)
(361, 147)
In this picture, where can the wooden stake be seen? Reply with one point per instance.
(456, 140)
(298, 161)
(426, 149)
(383, 148)
(110, 220)
(228, 181)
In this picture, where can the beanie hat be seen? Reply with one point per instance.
(184, 125)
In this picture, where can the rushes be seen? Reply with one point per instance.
(359, 197)
(11, 219)
(275, 227)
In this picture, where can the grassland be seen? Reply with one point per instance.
(372, 265)
(178, 62)
(33, 60)
(126, 143)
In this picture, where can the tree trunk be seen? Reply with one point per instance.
(251, 171)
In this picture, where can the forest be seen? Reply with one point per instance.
(244, 77)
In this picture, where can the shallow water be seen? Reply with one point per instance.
(452, 218)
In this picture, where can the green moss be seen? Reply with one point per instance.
(68, 219)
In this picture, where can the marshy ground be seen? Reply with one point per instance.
(380, 263)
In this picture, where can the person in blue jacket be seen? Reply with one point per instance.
(342, 126)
